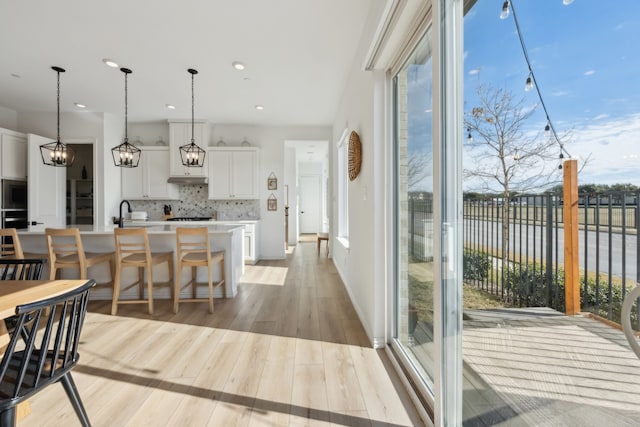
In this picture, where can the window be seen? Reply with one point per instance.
(343, 190)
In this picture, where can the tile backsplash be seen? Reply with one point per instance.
(194, 202)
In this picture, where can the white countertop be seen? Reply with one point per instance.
(153, 227)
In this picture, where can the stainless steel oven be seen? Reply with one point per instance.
(14, 194)
(13, 212)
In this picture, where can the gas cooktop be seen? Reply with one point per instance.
(189, 218)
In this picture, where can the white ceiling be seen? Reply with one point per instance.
(297, 55)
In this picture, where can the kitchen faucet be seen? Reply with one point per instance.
(121, 219)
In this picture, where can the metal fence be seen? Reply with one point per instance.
(514, 248)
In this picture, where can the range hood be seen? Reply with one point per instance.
(187, 179)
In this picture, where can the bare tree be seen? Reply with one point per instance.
(503, 155)
(418, 168)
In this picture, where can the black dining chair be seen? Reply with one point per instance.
(48, 355)
(20, 269)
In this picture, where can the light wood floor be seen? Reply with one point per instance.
(289, 350)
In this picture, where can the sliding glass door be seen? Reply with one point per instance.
(427, 96)
(414, 228)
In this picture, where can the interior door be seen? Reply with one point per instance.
(46, 186)
(310, 204)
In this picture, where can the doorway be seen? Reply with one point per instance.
(310, 211)
(79, 187)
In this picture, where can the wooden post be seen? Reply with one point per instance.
(571, 273)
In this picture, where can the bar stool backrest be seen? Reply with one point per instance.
(193, 240)
(10, 243)
(132, 242)
(64, 242)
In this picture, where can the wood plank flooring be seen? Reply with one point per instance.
(289, 350)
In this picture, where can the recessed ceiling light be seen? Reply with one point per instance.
(17, 76)
(171, 107)
(79, 105)
(110, 62)
(238, 65)
(259, 107)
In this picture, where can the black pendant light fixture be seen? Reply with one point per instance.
(191, 154)
(126, 155)
(56, 153)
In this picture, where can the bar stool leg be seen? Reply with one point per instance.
(150, 288)
(116, 292)
(210, 276)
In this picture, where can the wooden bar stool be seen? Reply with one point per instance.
(66, 251)
(10, 249)
(325, 237)
(194, 250)
(133, 250)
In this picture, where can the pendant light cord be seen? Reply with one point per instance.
(58, 100)
(126, 139)
(192, 111)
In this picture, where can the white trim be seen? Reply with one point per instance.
(424, 415)
(388, 21)
(343, 242)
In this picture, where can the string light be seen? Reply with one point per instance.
(529, 84)
(531, 80)
(505, 10)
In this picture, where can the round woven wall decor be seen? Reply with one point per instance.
(355, 155)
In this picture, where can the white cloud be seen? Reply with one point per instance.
(601, 116)
(474, 71)
(613, 148)
(589, 72)
(560, 93)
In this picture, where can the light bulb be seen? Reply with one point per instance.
(505, 10)
(547, 130)
(529, 84)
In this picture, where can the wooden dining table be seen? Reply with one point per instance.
(18, 292)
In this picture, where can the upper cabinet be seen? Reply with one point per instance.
(233, 173)
(180, 134)
(149, 179)
(13, 150)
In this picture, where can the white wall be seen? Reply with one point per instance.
(361, 109)
(291, 179)
(8, 118)
(111, 185)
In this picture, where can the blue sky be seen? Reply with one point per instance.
(586, 62)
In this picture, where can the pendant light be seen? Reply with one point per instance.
(191, 154)
(56, 153)
(126, 155)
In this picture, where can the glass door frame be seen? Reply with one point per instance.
(445, 396)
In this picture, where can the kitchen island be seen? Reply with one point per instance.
(162, 238)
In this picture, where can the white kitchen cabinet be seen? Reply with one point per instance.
(233, 173)
(180, 134)
(250, 243)
(149, 179)
(13, 149)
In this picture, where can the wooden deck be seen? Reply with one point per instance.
(538, 367)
